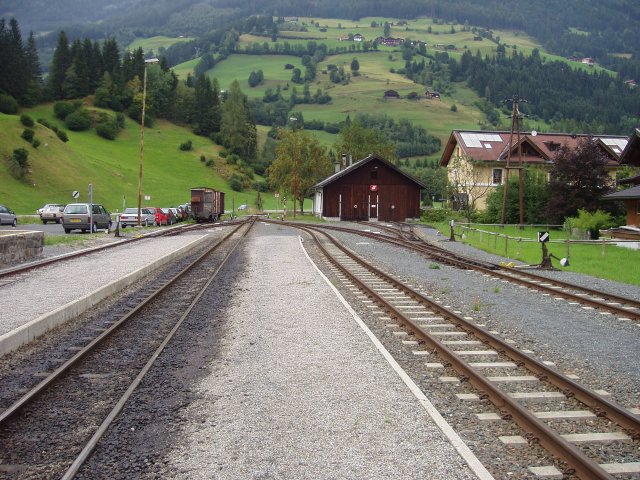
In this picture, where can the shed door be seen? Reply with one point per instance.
(355, 203)
(393, 204)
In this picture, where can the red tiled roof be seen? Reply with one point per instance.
(539, 148)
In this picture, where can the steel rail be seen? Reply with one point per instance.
(584, 467)
(498, 271)
(177, 230)
(36, 391)
(102, 429)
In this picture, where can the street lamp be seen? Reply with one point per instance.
(144, 99)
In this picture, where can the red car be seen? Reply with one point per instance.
(161, 217)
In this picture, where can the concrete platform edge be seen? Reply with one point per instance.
(28, 332)
(458, 444)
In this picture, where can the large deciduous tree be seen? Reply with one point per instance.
(238, 131)
(300, 163)
(578, 180)
(359, 142)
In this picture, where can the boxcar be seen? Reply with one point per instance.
(207, 204)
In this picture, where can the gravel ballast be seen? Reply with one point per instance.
(298, 391)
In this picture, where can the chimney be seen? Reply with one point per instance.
(336, 167)
(350, 160)
(343, 164)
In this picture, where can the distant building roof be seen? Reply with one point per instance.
(361, 163)
(628, 194)
(494, 146)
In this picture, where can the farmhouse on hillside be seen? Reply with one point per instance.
(630, 196)
(370, 189)
(478, 159)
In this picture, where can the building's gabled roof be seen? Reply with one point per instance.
(631, 153)
(490, 146)
(361, 163)
(635, 180)
(628, 194)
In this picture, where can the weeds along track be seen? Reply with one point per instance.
(50, 430)
(558, 423)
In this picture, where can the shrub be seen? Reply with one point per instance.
(590, 222)
(120, 119)
(108, 130)
(28, 134)
(35, 143)
(186, 146)
(26, 120)
(235, 182)
(62, 135)
(233, 159)
(437, 215)
(62, 109)
(78, 121)
(203, 158)
(8, 104)
(20, 162)
(223, 154)
(454, 108)
(209, 163)
(44, 122)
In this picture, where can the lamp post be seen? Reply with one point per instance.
(144, 99)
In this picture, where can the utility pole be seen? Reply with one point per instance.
(515, 127)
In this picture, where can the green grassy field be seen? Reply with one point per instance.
(153, 43)
(588, 259)
(111, 167)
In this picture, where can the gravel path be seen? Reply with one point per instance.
(298, 391)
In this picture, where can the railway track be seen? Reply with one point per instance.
(7, 273)
(605, 302)
(590, 436)
(51, 429)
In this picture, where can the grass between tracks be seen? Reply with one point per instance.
(609, 262)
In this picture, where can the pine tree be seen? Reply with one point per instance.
(34, 88)
(59, 66)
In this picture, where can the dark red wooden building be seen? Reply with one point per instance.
(370, 189)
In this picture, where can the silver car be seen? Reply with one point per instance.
(7, 216)
(51, 212)
(76, 217)
(129, 218)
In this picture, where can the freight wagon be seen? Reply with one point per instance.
(207, 204)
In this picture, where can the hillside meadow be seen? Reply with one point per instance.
(57, 168)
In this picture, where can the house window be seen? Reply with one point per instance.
(496, 176)
(374, 174)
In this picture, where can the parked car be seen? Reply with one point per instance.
(129, 218)
(7, 216)
(182, 215)
(161, 217)
(51, 212)
(176, 214)
(171, 218)
(76, 217)
(242, 207)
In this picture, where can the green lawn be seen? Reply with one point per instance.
(587, 259)
(111, 167)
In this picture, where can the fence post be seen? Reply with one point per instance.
(518, 249)
(506, 246)
(603, 244)
(568, 243)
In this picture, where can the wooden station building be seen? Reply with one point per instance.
(369, 189)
